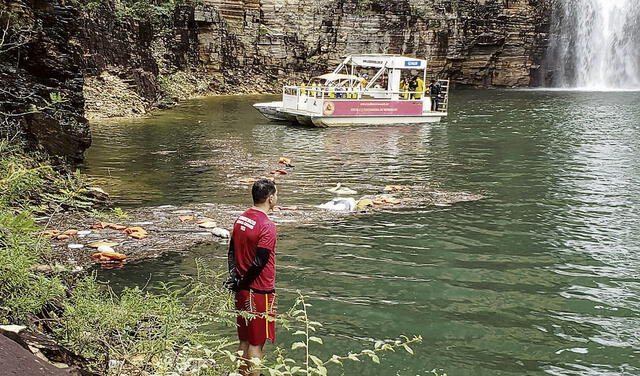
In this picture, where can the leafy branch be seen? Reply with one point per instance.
(12, 37)
(54, 100)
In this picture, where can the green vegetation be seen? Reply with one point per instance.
(22, 290)
(143, 332)
(30, 182)
(182, 85)
(420, 13)
(141, 10)
(109, 215)
(311, 364)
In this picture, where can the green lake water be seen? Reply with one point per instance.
(541, 277)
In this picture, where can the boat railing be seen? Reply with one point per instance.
(326, 92)
(293, 94)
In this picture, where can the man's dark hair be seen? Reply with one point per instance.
(262, 189)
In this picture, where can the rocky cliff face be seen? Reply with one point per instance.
(241, 46)
(41, 71)
(472, 42)
(122, 67)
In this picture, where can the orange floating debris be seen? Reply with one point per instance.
(284, 160)
(136, 232)
(116, 227)
(130, 230)
(139, 235)
(279, 172)
(71, 232)
(51, 233)
(185, 218)
(112, 264)
(62, 237)
(395, 188)
(101, 243)
(99, 225)
(109, 256)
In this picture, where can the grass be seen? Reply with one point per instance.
(23, 291)
(40, 184)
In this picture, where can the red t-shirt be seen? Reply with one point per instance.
(251, 230)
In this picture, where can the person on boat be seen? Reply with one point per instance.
(434, 91)
(404, 88)
(314, 89)
(412, 85)
(252, 272)
(365, 80)
(419, 88)
(303, 90)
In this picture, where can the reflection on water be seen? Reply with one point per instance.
(543, 277)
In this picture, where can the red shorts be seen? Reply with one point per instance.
(256, 330)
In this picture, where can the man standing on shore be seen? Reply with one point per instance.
(252, 270)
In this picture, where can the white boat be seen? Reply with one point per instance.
(347, 97)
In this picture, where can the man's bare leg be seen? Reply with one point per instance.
(244, 347)
(255, 352)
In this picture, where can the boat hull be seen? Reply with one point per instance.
(328, 121)
(274, 111)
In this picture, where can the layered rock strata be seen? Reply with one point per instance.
(242, 46)
(475, 43)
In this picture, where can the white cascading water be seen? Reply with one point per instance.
(595, 45)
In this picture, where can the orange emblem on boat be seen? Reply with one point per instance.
(329, 108)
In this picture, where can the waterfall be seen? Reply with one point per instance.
(594, 45)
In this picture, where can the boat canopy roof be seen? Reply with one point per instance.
(386, 60)
(337, 77)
